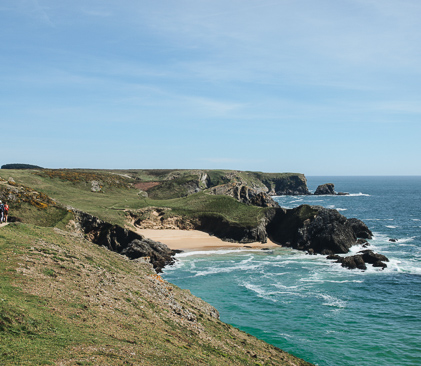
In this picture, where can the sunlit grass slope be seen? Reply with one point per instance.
(66, 301)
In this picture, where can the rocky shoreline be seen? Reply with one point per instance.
(313, 229)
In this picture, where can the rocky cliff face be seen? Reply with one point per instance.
(244, 194)
(314, 229)
(123, 241)
(183, 183)
(292, 185)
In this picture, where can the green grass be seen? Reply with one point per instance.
(112, 203)
(95, 307)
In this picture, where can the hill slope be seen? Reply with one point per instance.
(66, 301)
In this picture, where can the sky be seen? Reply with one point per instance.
(326, 87)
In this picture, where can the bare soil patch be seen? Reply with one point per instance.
(144, 186)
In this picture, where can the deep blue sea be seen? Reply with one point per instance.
(314, 308)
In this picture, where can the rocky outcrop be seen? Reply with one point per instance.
(328, 189)
(290, 184)
(317, 229)
(159, 218)
(376, 259)
(123, 241)
(361, 259)
(244, 194)
(313, 228)
(350, 262)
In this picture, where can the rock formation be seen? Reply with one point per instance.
(360, 259)
(314, 228)
(328, 189)
(123, 241)
(244, 194)
(360, 229)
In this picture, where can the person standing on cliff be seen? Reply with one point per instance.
(1, 212)
(5, 212)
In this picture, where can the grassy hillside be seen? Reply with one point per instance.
(66, 301)
(118, 193)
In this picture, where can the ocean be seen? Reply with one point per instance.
(312, 307)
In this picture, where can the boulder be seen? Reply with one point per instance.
(360, 259)
(380, 264)
(370, 257)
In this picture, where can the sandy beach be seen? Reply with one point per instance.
(195, 240)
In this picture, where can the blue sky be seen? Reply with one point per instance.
(317, 87)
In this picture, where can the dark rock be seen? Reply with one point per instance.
(360, 229)
(263, 200)
(327, 188)
(370, 257)
(216, 225)
(324, 230)
(352, 262)
(14, 219)
(393, 240)
(380, 264)
(334, 257)
(342, 194)
(292, 185)
(311, 251)
(123, 241)
(362, 241)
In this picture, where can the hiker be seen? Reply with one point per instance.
(1, 212)
(5, 212)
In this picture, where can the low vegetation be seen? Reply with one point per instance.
(66, 301)
(73, 188)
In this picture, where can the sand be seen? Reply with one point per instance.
(195, 240)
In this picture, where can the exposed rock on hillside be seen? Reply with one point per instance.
(181, 183)
(159, 218)
(228, 231)
(244, 194)
(290, 184)
(123, 241)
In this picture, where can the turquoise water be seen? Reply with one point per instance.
(314, 308)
